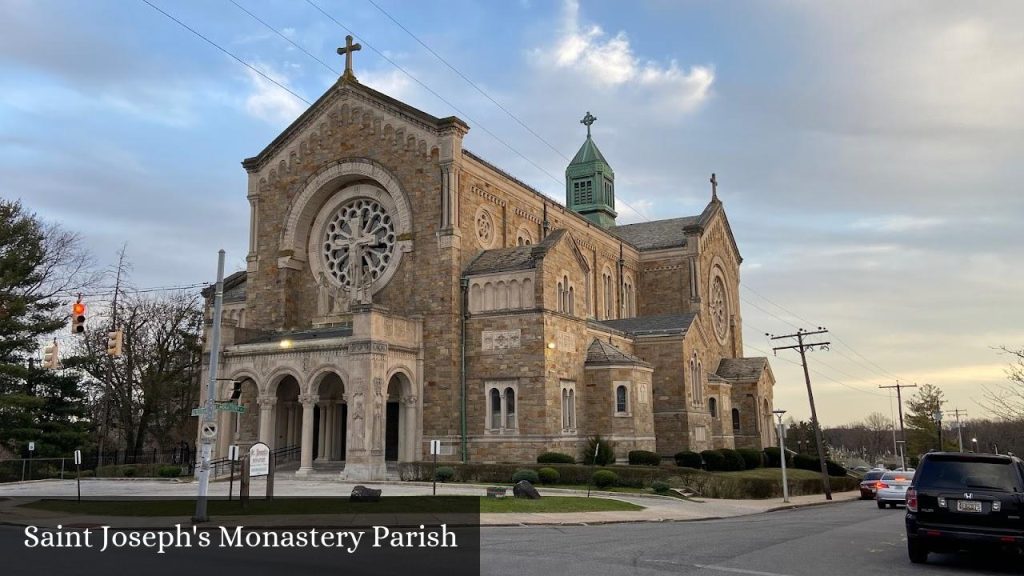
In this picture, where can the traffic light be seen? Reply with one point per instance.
(114, 340)
(78, 318)
(51, 356)
(236, 390)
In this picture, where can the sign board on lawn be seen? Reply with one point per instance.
(259, 460)
(78, 457)
(31, 446)
(435, 447)
(233, 452)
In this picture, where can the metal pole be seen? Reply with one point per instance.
(208, 416)
(231, 482)
(814, 421)
(782, 457)
(435, 471)
(79, 480)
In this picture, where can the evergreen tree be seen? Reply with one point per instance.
(922, 433)
(37, 262)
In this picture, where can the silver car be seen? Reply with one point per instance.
(891, 488)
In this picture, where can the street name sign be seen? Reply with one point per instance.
(231, 407)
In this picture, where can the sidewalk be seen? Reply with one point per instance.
(656, 508)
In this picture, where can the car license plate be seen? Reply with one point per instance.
(968, 506)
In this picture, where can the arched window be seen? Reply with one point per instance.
(560, 297)
(621, 400)
(565, 294)
(495, 409)
(735, 419)
(572, 408)
(572, 301)
(713, 407)
(510, 409)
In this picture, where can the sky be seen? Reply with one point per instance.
(868, 154)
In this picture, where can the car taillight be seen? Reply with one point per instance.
(881, 485)
(911, 500)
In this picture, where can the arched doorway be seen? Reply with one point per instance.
(330, 417)
(398, 419)
(289, 414)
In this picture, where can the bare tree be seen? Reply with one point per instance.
(152, 386)
(1007, 401)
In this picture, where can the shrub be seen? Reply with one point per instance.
(644, 458)
(660, 487)
(444, 474)
(751, 458)
(604, 478)
(128, 472)
(733, 460)
(169, 471)
(713, 460)
(604, 448)
(555, 458)
(688, 459)
(548, 475)
(805, 462)
(771, 458)
(525, 474)
(834, 469)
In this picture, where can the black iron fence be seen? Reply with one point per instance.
(122, 463)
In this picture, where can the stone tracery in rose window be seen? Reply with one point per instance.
(484, 228)
(361, 228)
(719, 307)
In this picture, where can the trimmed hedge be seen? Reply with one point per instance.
(548, 475)
(555, 458)
(688, 459)
(643, 458)
(714, 460)
(660, 487)
(605, 478)
(169, 471)
(811, 463)
(751, 458)
(733, 461)
(527, 474)
(444, 474)
(706, 484)
(603, 447)
(771, 458)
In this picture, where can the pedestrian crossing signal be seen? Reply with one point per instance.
(78, 318)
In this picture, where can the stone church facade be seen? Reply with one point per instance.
(400, 289)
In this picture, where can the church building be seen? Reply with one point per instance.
(400, 289)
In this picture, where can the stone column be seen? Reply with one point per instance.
(332, 431)
(308, 402)
(410, 422)
(321, 447)
(267, 431)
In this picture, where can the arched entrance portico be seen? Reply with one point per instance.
(331, 417)
(400, 420)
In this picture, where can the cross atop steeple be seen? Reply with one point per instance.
(347, 50)
(588, 120)
(714, 187)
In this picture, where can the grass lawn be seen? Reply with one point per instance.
(390, 505)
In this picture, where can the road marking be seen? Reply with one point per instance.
(718, 568)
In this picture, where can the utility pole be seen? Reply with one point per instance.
(903, 431)
(959, 430)
(110, 373)
(208, 424)
(803, 347)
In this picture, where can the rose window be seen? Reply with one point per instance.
(719, 308)
(484, 228)
(361, 233)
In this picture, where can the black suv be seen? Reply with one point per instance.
(962, 500)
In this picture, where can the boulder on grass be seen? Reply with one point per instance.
(363, 494)
(524, 489)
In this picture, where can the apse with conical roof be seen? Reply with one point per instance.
(590, 182)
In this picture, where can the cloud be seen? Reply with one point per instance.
(268, 101)
(609, 62)
(898, 223)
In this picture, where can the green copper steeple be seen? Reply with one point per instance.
(590, 182)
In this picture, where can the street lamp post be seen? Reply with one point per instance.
(938, 426)
(782, 454)
(975, 442)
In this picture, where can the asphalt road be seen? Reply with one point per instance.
(853, 538)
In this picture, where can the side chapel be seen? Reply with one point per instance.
(400, 289)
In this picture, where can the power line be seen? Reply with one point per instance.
(284, 37)
(225, 51)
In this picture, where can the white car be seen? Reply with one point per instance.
(891, 488)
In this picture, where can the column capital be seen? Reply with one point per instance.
(409, 400)
(266, 401)
(309, 400)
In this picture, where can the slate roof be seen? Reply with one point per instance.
(312, 334)
(743, 369)
(234, 287)
(656, 234)
(650, 325)
(514, 258)
(600, 352)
